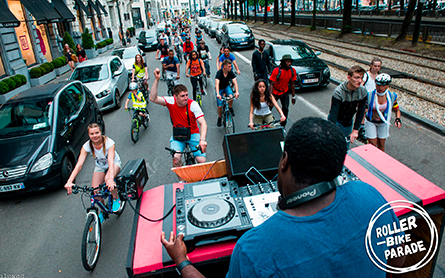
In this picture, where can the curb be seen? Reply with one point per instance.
(414, 117)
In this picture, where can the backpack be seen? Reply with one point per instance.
(279, 73)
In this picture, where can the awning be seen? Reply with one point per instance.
(101, 7)
(92, 5)
(42, 11)
(7, 19)
(63, 10)
(84, 8)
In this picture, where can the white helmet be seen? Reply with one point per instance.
(133, 86)
(383, 79)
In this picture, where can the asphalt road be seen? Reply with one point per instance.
(40, 235)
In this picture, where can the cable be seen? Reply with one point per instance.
(151, 220)
(210, 169)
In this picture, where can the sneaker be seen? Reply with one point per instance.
(219, 122)
(231, 111)
(116, 204)
(101, 217)
(203, 93)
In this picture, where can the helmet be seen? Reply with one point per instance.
(133, 86)
(383, 79)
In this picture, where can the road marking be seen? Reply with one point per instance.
(315, 108)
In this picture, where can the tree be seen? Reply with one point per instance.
(292, 16)
(87, 40)
(314, 12)
(407, 21)
(275, 11)
(67, 39)
(347, 22)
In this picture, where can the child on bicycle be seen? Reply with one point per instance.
(138, 100)
(261, 100)
(107, 164)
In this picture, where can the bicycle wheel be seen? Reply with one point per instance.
(134, 131)
(91, 242)
(204, 81)
(164, 75)
(146, 121)
(228, 123)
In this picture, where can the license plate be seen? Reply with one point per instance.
(313, 80)
(243, 43)
(12, 187)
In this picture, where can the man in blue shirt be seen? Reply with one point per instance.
(321, 236)
(171, 66)
(228, 56)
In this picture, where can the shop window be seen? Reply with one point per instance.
(42, 35)
(2, 68)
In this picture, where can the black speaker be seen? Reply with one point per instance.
(261, 149)
(131, 179)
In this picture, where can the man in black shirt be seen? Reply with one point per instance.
(163, 48)
(260, 62)
(204, 54)
(222, 85)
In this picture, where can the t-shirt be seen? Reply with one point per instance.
(163, 49)
(101, 160)
(369, 82)
(203, 52)
(224, 81)
(195, 67)
(223, 57)
(187, 47)
(179, 114)
(281, 85)
(173, 61)
(330, 243)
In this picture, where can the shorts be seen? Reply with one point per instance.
(263, 119)
(227, 91)
(172, 75)
(193, 142)
(104, 170)
(374, 130)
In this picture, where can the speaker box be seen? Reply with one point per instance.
(132, 179)
(261, 149)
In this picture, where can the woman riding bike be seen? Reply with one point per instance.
(107, 164)
(197, 68)
(140, 70)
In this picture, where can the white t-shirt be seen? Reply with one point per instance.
(101, 160)
(370, 83)
(265, 109)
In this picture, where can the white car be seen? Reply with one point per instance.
(128, 57)
(106, 77)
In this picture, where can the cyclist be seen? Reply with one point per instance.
(184, 35)
(260, 102)
(204, 53)
(197, 68)
(187, 48)
(107, 164)
(138, 100)
(140, 70)
(230, 56)
(184, 112)
(163, 49)
(171, 66)
(177, 41)
(165, 37)
(222, 85)
(167, 33)
(198, 37)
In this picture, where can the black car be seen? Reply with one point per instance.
(237, 35)
(311, 71)
(41, 133)
(148, 40)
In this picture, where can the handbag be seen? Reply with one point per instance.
(181, 133)
(74, 58)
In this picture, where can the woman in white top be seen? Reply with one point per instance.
(107, 162)
(260, 103)
(371, 74)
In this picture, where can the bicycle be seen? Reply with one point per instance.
(170, 85)
(142, 88)
(92, 233)
(273, 124)
(189, 157)
(228, 123)
(178, 50)
(136, 122)
(198, 90)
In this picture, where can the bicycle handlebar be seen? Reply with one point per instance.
(102, 189)
(173, 152)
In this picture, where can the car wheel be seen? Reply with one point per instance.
(117, 99)
(66, 170)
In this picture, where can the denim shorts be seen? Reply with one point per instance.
(193, 142)
(227, 91)
(104, 170)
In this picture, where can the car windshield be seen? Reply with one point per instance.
(296, 51)
(235, 29)
(126, 53)
(25, 117)
(150, 34)
(214, 24)
(90, 73)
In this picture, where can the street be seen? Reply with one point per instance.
(41, 234)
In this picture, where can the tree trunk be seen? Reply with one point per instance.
(254, 11)
(275, 11)
(407, 21)
(314, 12)
(265, 10)
(292, 15)
(347, 22)
(241, 9)
(236, 10)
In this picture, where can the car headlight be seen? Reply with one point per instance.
(155, 42)
(103, 94)
(232, 40)
(43, 163)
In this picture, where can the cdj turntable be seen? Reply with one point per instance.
(207, 212)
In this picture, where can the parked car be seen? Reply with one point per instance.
(311, 71)
(148, 40)
(41, 132)
(207, 24)
(201, 21)
(160, 27)
(237, 35)
(213, 28)
(219, 31)
(106, 77)
(128, 56)
(360, 31)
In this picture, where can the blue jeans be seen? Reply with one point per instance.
(263, 76)
(227, 91)
(193, 142)
(207, 66)
(347, 130)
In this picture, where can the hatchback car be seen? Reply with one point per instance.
(237, 35)
(219, 31)
(213, 28)
(106, 77)
(311, 71)
(148, 40)
(128, 56)
(41, 133)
